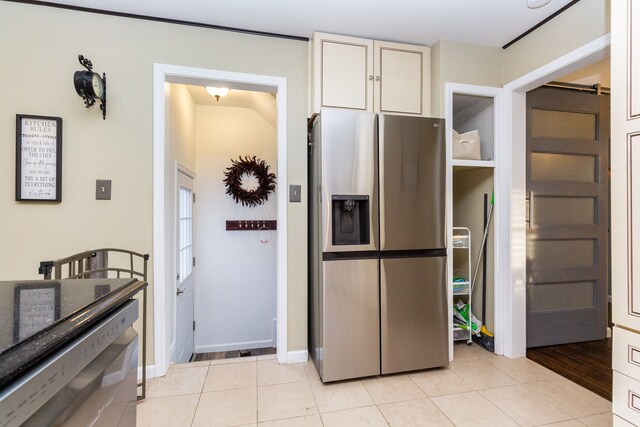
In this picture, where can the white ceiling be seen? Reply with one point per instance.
(487, 22)
(263, 103)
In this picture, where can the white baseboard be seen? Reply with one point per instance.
(151, 372)
(299, 356)
(215, 348)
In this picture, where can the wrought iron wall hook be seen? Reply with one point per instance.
(91, 86)
(85, 62)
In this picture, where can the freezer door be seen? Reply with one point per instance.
(413, 314)
(348, 165)
(351, 319)
(412, 182)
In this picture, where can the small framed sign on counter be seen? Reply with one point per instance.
(36, 306)
(38, 158)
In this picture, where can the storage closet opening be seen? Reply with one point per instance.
(471, 123)
(470, 185)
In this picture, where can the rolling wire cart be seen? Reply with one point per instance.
(95, 264)
(461, 284)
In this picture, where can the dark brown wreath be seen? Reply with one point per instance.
(250, 166)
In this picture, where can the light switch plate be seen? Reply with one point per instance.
(294, 193)
(103, 189)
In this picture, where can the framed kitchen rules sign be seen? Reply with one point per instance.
(38, 158)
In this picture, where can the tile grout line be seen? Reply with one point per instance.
(480, 391)
(315, 401)
(193, 419)
(552, 403)
(521, 384)
(257, 403)
(432, 402)
(374, 401)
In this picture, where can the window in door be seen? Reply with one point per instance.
(185, 244)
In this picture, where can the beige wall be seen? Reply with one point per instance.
(598, 72)
(458, 62)
(39, 50)
(581, 23)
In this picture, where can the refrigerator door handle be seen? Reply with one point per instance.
(529, 210)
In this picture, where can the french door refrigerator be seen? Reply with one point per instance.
(377, 260)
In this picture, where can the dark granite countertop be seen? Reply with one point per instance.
(38, 317)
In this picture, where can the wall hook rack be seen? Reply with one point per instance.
(250, 224)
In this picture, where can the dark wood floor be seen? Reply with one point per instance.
(198, 357)
(587, 364)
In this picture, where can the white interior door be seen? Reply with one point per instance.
(185, 264)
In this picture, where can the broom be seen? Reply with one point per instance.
(485, 339)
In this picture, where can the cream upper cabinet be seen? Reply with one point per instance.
(343, 72)
(369, 75)
(401, 81)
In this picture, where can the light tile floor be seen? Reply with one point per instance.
(477, 389)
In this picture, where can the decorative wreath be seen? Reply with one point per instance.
(249, 166)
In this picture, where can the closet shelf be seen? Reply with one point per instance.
(473, 164)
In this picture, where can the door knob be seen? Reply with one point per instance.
(377, 78)
(370, 77)
(179, 291)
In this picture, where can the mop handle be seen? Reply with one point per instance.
(484, 238)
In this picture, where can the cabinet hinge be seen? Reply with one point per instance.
(194, 261)
(194, 197)
(194, 325)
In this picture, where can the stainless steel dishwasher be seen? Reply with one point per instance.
(89, 382)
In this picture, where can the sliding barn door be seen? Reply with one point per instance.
(567, 230)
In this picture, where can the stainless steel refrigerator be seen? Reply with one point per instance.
(377, 258)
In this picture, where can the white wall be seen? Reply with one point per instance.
(182, 127)
(235, 296)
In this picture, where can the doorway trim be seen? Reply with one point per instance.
(163, 74)
(511, 180)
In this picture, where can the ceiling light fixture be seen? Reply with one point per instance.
(534, 4)
(217, 91)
